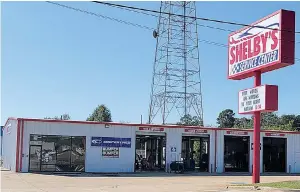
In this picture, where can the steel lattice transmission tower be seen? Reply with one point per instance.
(176, 83)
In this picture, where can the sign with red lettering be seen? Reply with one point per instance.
(237, 132)
(275, 134)
(262, 98)
(195, 131)
(154, 129)
(265, 45)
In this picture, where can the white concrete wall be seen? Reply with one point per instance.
(94, 162)
(293, 157)
(174, 135)
(9, 142)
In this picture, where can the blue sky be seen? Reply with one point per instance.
(56, 60)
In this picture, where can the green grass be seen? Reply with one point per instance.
(284, 184)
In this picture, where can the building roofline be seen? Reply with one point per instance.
(142, 125)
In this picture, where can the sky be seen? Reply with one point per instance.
(55, 60)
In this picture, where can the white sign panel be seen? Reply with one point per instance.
(110, 152)
(251, 100)
(255, 46)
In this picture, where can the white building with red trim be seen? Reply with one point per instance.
(80, 138)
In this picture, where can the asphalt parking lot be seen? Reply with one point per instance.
(159, 182)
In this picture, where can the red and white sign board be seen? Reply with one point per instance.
(265, 45)
(262, 98)
(195, 130)
(274, 134)
(151, 129)
(237, 132)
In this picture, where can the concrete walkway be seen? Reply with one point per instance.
(27, 182)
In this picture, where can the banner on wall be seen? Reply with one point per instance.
(111, 142)
(110, 152)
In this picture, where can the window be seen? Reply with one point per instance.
(60, 153)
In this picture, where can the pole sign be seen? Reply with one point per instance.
(262, 98)
(265, 45)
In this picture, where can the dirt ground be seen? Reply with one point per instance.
(142, 182)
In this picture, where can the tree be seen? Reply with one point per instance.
(244, 123)
(190, 121)
(296, 123)
(226, 119)
(101, 114)
(269, 119)
(62, 117)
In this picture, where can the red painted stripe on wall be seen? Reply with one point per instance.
(21, 150)
(215, 150)
(18, 146)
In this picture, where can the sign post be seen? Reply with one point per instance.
(261, 47)
(256, 137)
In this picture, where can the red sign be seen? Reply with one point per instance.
(195, 131)
(154, 129)
(262, 46)
(262, 98)
(275, 134)
(237, 132)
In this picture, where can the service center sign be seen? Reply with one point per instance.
(266, 45)
(261, 98)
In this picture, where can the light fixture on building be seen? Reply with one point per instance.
(106, 125)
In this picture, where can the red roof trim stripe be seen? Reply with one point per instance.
(145, 125)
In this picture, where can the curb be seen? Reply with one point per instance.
(242, 187)
(258, 188)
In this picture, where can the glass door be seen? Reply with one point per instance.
(35, 158)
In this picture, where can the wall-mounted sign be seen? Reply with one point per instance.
(190, 130)
(237, 132)
(154, 129)
(110, 152)
(173, 149)
(253, 144)
(8, 128)
(111, 142)
(262, 46)
(275, 134)
(262, 98)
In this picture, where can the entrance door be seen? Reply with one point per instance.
(35, 154)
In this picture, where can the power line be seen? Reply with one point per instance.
(133, 24)
(201, 25)
(101, 16)
(191, 17)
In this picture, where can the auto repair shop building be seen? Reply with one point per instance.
(42, 145)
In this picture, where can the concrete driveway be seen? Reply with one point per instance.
(155, 182)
